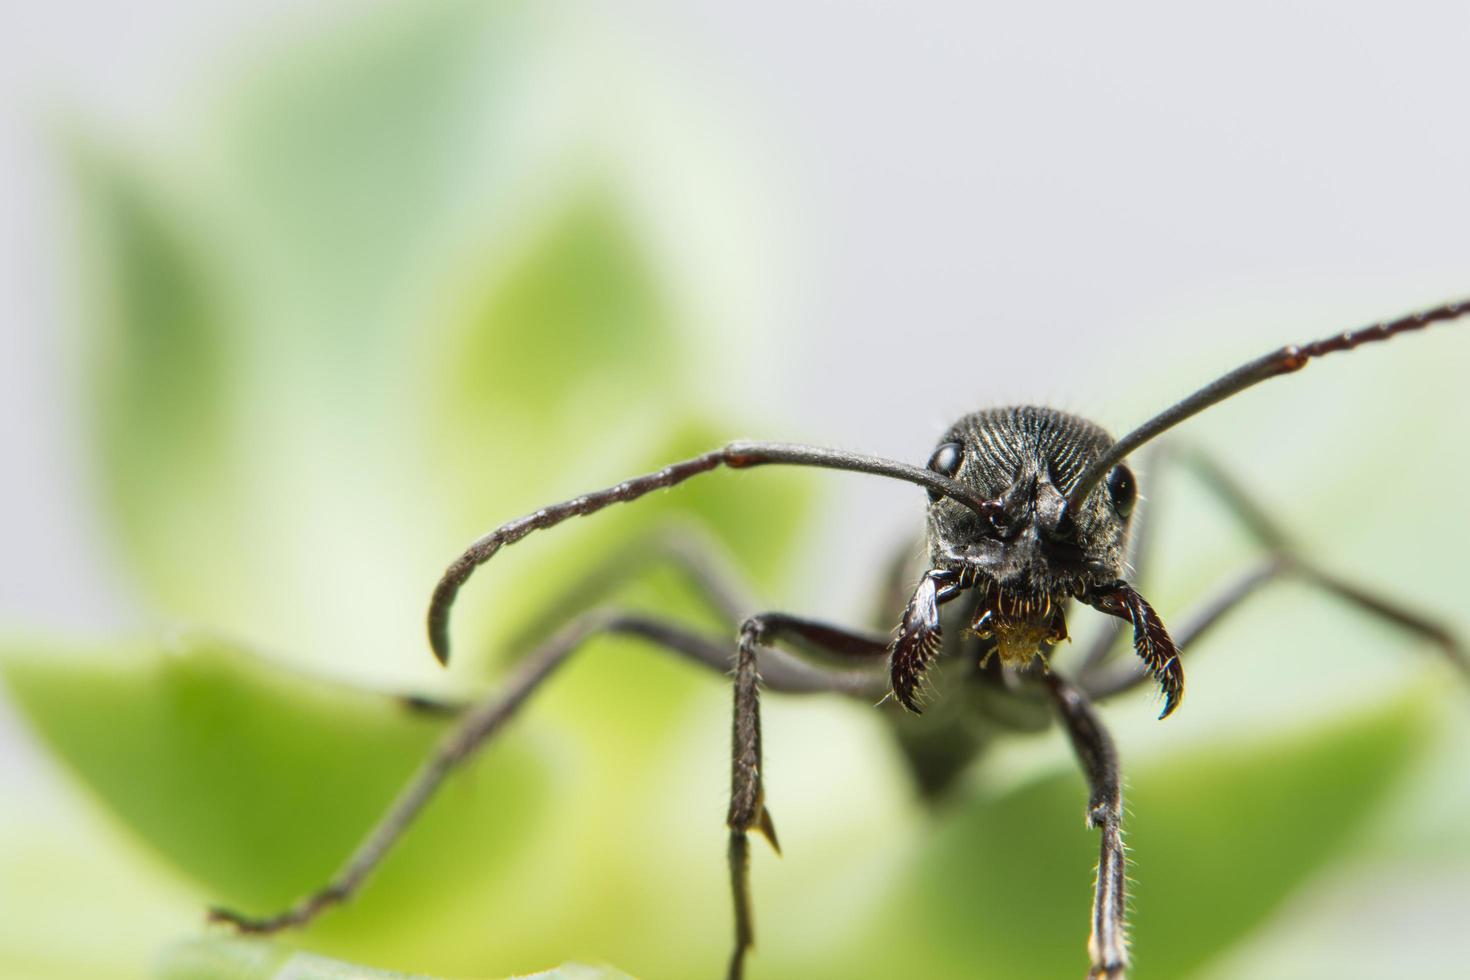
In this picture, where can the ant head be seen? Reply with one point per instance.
(1031, 551)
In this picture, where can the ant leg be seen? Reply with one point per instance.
(1296, 561)
(1107, 945)
(1284, 558)
(1139, 552)
(786, 672)
(1386, 609)
(747, 794)
(698, 557)
(1101, 686)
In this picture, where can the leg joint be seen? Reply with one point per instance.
(1102, 812)
(756, 630)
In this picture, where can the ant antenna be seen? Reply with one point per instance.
(1278, 362)
(736, 455)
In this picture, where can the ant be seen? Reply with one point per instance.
(1029, 509)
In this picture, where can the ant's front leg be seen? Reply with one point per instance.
(747, 792)
(1284, 559)
(1108, 943)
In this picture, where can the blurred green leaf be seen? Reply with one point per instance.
(1235, 832)
(1218, 838)
(564, 371)
(257, 783)
(338, 363)
(294, 467)
(79, 903)
(574, 332)
(243, 959)
(161, 380)
(350, 153)
(259, 323)
(387, 367)
(753, 520)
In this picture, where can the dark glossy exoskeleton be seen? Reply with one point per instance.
(1029, 553)
(1030, 510)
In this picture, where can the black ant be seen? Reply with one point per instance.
(1029, 509)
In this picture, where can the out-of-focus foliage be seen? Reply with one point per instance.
(245, 960)
(1225, 834)
(398, 291)
(255, 781)
(375, 308)
(370, 321)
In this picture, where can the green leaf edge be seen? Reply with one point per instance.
(253, 959)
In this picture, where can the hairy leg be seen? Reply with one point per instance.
(1140, 554)
(1107, 945)
(866, 651)
(1103, 682)
(1284, 558)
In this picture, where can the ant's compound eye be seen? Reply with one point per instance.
(946, 458)
(946, 461)
(1123, 489)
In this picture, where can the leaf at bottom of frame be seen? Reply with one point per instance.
(255, 783)
(247, 959)
(1218, 837)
